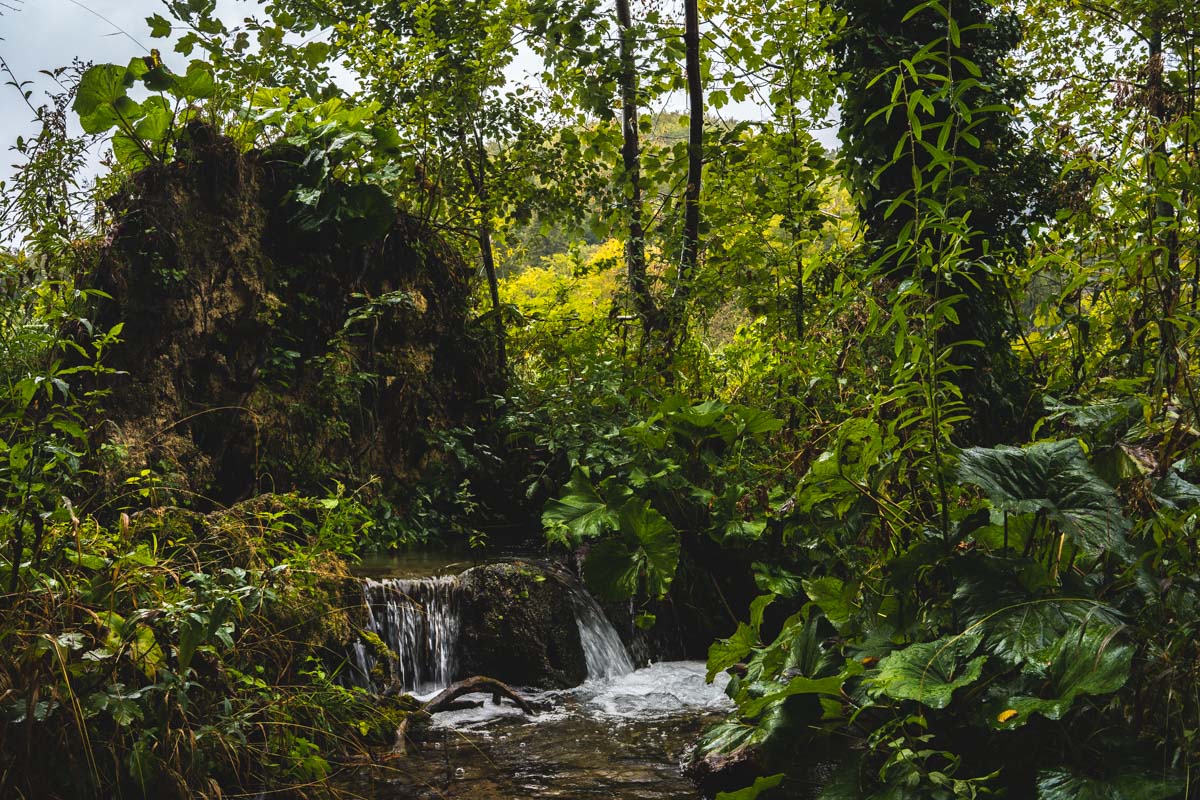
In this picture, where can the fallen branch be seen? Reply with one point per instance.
(447, 700)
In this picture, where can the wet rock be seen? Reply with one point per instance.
(725, 772)
(518, 626)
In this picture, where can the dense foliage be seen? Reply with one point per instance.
(932, 396)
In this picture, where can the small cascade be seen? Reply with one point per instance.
(418, 619)
(603, 650)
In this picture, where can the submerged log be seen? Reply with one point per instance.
(447, 700)
(481, 684)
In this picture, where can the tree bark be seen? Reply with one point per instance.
(691, 198)
(476, 167)
(631, 159)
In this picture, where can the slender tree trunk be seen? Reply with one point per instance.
(631, 158)
(691, 199)
(476, 170)
(1163, 220)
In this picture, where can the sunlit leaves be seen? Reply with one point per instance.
(930, 672)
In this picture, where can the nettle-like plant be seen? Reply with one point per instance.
(144, 132)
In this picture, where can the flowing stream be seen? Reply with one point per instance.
(620, 738)
(620, 735)
(417, 618)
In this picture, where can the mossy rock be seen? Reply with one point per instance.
(258, 356)
(518, 626)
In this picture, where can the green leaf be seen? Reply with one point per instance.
(129, 152)
(196, 84)
(580, 509)
(85, 560)
(155, 122)
(657, 544)
(831, 686)
(100, 91)
(1053, 478)
(1087, 662)
(160, 26)
(1061, 783)
(724, 653)
(611, 570)
(761, 785)
(930, 672)
(834, 598)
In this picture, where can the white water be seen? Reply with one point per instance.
(669, 689)
(418, 620)
(666, 689)
(603, 651)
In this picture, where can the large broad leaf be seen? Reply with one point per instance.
(724, 653)
(581, 510)
(751, 422)
(612, 570)
(830, 686)
(834, 597)
(930, 672)
(100, 100)
(648, 549)
(196, 84)
(367, 212)
(1175, 490)
(1124, 784)
(833, 486)
(1052, 478)
(1091, 661)
(1103, 422)
(657, 543)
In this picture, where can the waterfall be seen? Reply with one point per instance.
(418, 620)
(603, 650)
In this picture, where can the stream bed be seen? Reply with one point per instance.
(620, 737)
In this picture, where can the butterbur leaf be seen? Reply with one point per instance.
(834, 598)
(130, 152)
(155, 120)
(1126, 783)
(831, 686)
(657, 544)
(99, 91)
(751, 421)
(611, 570)
(580, 509)
(196, 84)
(1052, 478)
(930, 672)
(1088, 662)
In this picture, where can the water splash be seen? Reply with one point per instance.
(603, 651)
(418, 619)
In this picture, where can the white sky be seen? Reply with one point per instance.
(43, 34)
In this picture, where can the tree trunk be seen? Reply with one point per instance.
(631, 158)
(476, 165)
(684, 275)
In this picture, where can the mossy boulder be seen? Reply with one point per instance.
(518, 626)
(260, 354)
